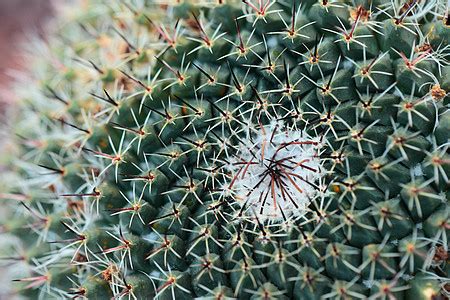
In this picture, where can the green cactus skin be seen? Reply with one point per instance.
(224, 149)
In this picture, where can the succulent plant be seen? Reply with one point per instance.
(224, 149)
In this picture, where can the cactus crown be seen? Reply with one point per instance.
(236, 149)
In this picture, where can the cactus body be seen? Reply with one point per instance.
(237, 149)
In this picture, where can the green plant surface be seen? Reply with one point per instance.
(221, 149)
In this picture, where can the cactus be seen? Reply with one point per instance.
(235, 149)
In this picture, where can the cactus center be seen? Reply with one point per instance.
(274, 175)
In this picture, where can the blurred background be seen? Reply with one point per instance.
(18, 18)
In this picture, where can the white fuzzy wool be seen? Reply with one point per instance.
(275, 173)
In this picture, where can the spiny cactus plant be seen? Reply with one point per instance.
(223, 149)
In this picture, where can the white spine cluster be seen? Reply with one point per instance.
(276, 173)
